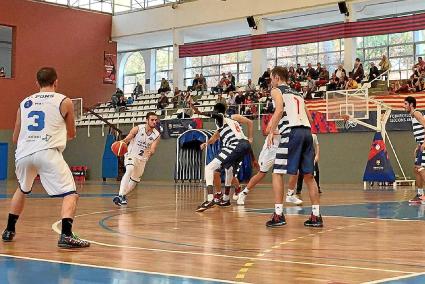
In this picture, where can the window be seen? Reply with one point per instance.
(134, 71)
(6, 47)
(164, 65)
(211, 67)
(401, 49)
(328, 53)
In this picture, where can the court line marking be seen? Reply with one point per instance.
(395, 278)
(115, 268)
(56, 229)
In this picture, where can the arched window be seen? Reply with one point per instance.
(134, 71)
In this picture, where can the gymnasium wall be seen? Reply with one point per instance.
(70, 40)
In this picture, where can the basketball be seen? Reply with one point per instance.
(119, 148)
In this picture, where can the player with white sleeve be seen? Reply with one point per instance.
(44, 122)
(144, 140)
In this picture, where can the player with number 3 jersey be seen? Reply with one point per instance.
(44, 122)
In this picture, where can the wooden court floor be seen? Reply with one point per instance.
(368, 235)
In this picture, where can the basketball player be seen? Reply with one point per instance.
(235, 146)
(143, 141)
(44, 122)
(295, 151)
(418, 123)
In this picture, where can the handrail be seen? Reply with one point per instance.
(90, 110)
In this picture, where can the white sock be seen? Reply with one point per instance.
(246, 190)
(420, 191)
(290, 192)
(315, 209)
(210, 197)
(225, 197)
(278, 208)
(131, 185)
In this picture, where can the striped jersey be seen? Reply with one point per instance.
(418, 129)
(42, 124)
(230, 132)
(294, 110)
(142, 141)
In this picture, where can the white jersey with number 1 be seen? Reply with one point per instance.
(42, 124)
(294, 107)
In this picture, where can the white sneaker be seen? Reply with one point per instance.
(293, 199)
(241, 199)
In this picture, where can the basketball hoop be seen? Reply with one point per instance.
(345, 117)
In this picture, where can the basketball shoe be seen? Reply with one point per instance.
(8, 236)
(206, 205)
(236, 193)
(416, 199)
(124, 200)
(276, 220)
(241, 198)
(293, 199)
(72, 242)
(314, 221)
(224, 203)
(119, 200)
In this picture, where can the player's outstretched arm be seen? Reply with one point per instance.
(310, 119)
(131, 135)
(17, 127)
(152, 148)
(212, 140)
(244, 120)
(67, 111)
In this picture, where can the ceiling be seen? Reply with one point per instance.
(277, 22)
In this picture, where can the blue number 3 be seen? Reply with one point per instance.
(38, 124)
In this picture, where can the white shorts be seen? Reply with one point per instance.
(55, 175)
(266, 158)
(136, 165)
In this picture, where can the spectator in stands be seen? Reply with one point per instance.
(162, 103)
(232, 79)
(221, 100)
(222, 84)
(187, 111)
(373, 72)
(250, 108)
(351, 84)
(318, 71)
(202, 83)
(2, 73)
(421, 64)
(323, 76)
(342, 82)
(311, 86)
(269, 106)
(116, 97)
(195, 83)
(239, 100)
(310, 71)
(385, 65)
(250, 87)
(138, 90)
(333, 83)
(231, 104)
(358, 72)
(304, 92)
(340, 72)
(177, 98)
(165, 86)
(264, 80)
(300, 72)
(121, 104)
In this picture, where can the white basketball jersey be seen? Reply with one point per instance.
(235, 127)
(294, 107)
(142, 141)
(42, 124)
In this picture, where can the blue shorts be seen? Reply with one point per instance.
(295, 152)
(420, 158)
